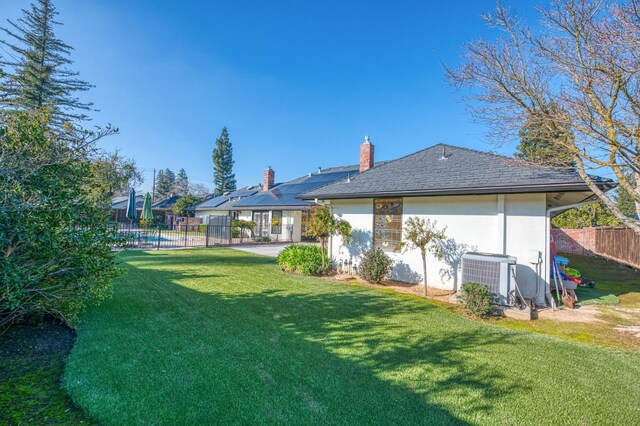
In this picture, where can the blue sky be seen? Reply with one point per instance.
(298, 84)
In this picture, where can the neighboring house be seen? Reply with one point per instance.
(488, 203)
(264, 203)
(166, 203)
(221, 205)
(119, 207)
(281, 201)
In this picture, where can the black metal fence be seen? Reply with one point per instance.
(133, 235)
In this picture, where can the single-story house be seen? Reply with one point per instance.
(119, 207)
(270, 200)
(221, 205)
(280, 201)
(488, 203)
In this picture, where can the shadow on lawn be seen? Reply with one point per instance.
(198, 256)
(614, 282)
(341, 355)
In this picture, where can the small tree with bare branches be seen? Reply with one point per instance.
(578, 76)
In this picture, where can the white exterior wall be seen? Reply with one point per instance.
(504, 224)
(526, 229)
(291, 225)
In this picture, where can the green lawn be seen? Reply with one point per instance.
(221, 336)
(612, 279)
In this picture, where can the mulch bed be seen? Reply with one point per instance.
(31, 367)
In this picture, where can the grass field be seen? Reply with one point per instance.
(222, 336)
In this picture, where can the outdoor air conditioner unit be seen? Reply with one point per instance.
(492, 270)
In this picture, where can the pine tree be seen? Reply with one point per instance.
(624, 200)
(164, 183)
(36, 72)
(181, 185)
(157, 195)
(541, 143)
(223, 178)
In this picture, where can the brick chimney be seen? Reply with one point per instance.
(269, 177)
(366, 155)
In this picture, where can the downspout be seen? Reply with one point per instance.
(547, 254)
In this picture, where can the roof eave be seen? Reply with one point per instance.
(273, 207)
(569, 187)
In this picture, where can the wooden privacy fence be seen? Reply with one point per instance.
(619, 244)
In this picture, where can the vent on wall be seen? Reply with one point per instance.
(492, 270)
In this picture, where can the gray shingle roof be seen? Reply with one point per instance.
(121, 202)
(166, 203)
(462, 171)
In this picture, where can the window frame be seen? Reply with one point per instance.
(396, 243)
(276, 229)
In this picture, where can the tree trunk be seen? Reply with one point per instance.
(424, 271)
(322, 250)
(637, 175)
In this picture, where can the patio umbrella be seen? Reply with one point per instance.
(147, 213)
(132, 213)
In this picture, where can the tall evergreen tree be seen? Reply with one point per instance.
(223, 177)
(181, 185)
(157, 186)
(165, 183)
(625, 201)
(541, 143)
(36, 72)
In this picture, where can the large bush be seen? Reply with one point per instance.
(476, 299)
(55, 242)
(375, 265)
(305, 259)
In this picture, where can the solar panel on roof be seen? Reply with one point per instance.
(220, 200)
(286, 194)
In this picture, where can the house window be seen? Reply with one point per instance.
(387, 223)
(261, 218)
(276, 222)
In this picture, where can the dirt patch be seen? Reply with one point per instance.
(580, 314)
(31, 367)
(399, 286)
(635, 330)
(35, 341)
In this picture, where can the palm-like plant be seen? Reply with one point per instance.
(323, 223)
(422, 234)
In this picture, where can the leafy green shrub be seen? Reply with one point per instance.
(55, 239)
(238, 227)
(263, 239)
(202, 227)
(375, 265)
(476, 299)
(305, 259)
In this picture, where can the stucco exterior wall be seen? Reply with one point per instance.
(291, 224)
(504, 224)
